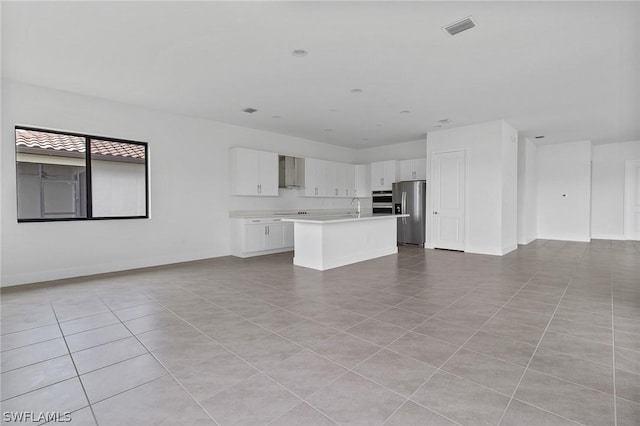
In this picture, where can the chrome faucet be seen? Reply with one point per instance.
(358, 208)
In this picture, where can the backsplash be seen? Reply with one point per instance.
(292, 199)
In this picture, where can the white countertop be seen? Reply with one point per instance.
(339, 218)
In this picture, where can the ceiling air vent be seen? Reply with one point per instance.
(460, 26)
(249, 110)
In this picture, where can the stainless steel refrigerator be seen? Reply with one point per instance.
(409, 198)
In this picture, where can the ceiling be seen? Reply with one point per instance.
(565, 70)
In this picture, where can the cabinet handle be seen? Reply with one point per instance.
(316, 190)
(257, 189)
(268, 230)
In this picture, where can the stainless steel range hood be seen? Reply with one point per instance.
(291, 172)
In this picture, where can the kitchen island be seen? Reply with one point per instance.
(327, 242)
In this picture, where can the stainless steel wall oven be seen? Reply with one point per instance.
(382, 202)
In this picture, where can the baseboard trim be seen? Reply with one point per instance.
(616, 237)
(556, 238)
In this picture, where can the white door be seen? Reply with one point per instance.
(363, 181)
(350, 180)
(330, 169)
(256, 237)
(389, 170)
(310, 186)
(275, 236)
(268, 169)
(420, 166)
(407, 170)
(632, 200)
(377, 175)
(321, 177)
(247, 172)
(447, 182)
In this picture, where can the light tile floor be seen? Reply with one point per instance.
(549, 334)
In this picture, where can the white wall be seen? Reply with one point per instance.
(527, 191)
(188, 167)
(483, 144)
(607, 191)
(400, 151)
(564, 191)
(509, 188)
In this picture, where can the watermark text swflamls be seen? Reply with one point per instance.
(36, 416)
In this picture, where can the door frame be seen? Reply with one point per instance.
(429, 207)
(628, 197)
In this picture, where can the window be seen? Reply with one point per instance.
(67, 176)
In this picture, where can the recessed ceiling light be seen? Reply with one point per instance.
(276, 116)
(356, 91)
(299, 53)
(405, 112)
(540, 137)
(249, 110)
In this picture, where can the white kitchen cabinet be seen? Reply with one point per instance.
(383, 174)
(258, 236)
(315, 177)
(362, 177)
(253, 172)
(350, 180)
(341, 180)
(331, 169)
(415, 169)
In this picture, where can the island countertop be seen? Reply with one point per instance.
(340, 218)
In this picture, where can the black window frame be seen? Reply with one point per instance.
(87, 138)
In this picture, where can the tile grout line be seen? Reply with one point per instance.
(438, 368)
(504, 412)
(340, 331)
(163, 366)
(258, 370)
(73, 362)
(317, 354)
(391, 350)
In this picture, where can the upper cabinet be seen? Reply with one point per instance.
(253, 172)
(413, 169)
(315, 177)
(384, 174)
(362, 178)
(328, 178)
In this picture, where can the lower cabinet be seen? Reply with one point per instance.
(258, 236)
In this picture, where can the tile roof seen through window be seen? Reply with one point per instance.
(76, 144)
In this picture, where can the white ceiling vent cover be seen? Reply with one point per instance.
(460, 26)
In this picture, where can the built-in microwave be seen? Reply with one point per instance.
(382, 202)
